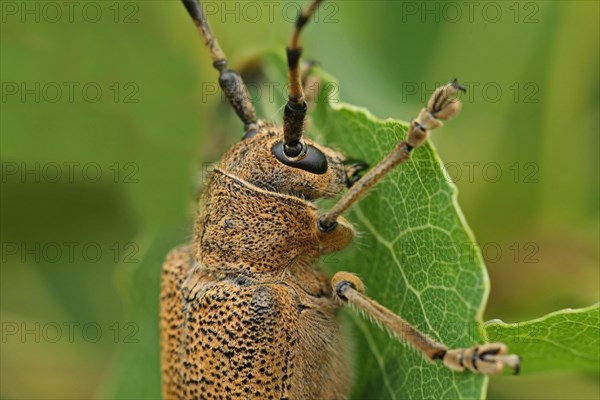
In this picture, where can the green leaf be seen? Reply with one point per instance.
(568, 339)
(415, 254)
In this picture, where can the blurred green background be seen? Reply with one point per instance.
(109, 116)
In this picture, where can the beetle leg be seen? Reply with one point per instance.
(443, 105)
(487, 359)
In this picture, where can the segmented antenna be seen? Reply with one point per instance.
(295, 109)
(230, 81)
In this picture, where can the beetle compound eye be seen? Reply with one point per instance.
(310, 158)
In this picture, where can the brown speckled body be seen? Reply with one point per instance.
(244, 314)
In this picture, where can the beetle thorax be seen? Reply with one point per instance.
(246, 229)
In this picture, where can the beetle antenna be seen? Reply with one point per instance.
(295, 109)
(230, 81)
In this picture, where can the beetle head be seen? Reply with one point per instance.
(260, 160)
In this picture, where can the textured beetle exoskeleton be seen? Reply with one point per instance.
(244, 313)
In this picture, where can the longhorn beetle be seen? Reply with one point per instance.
(243, 313)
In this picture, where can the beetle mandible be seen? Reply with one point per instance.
(243, 313)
